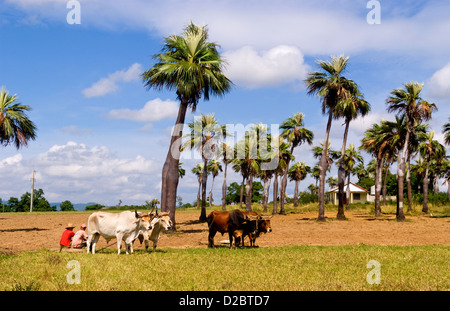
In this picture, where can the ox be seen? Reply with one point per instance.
(233, 222)
(262, 226)
(125, 225)
(160, 222)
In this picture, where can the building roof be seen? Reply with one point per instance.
(353, 188)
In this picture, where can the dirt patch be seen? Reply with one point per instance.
(26, 232)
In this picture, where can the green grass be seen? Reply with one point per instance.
(273, 268)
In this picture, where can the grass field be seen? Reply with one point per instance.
(276, 268)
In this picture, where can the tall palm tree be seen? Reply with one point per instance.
(296, 134)
(349, 108)
(377, 141)
(227, 156)
(15, 127)
(331, 87)
(248, 163)
(429, 149)
(205, 137)
(351, 157)
(298, 172)
(284, 155)
(193, 68)
(198, 171)
(266, 176)
(408, 103)
(215, 168)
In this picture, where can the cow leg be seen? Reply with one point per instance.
(119, 243)
(211, 235)
(154, 246)
(88, 243)
(146, 245)
(230, 234)
(94, 242)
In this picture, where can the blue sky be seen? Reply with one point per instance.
(103, 137)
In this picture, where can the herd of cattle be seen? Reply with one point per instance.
(128, 226)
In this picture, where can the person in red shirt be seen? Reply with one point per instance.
(66, 237)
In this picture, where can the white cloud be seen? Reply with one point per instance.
(439, 83)
(153, 110)
(325, 27)
(279, 65)
(110, 84)
(79, 173)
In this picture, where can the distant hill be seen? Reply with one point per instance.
(76, 206)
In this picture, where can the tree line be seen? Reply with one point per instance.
(191, 66)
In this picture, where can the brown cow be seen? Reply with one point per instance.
(262, 226)
(233, 222)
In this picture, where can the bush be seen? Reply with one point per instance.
(93, 207)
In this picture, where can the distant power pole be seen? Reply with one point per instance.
(32, 191)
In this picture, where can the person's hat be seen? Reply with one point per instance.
(83, 226)
(70, 226)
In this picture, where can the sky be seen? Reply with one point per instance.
(103, 137)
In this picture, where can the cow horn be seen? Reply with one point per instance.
(136, 214)
(252, 217)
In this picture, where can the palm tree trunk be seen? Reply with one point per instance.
(348, 193)
(224, 188)
(210, 192)
(425, 188)
(400, 178)
(448, 189)
(248, 194)
(242, 191)
(323, 165)
(266, 194)
(385, 182)
(341, 174)
(275, 194)
(199, 191)
(378, 174)
(297, 182)
(408, 183)
(204, 182)
(170, 175)
(283, 189)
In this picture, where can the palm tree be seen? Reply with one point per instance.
(351, 157)
(408, 103)
(378, 141)
(214, 167)
(331, 87)
(266, 176)
(191, 66)
(181, 170)
(248, 163)
(298, 172)
(198, 171)
(296, 134)
(204, 137)
(429, 149)
(284, 155)
(15, 127)
(349, 108)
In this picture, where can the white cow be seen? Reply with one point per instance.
(125, 225)
(160, 222)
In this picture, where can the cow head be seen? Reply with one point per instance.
(143, 220)
(264, 224)
(164, 221)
